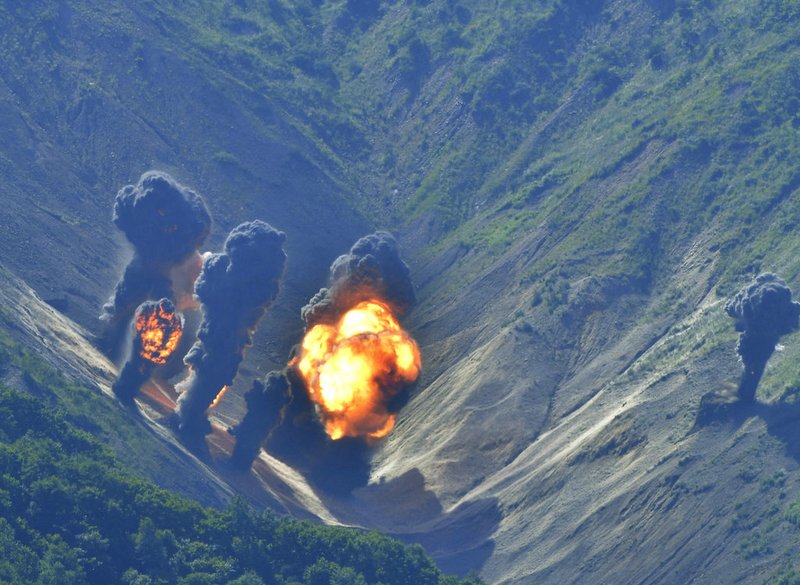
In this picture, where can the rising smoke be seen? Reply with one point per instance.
(355, 358)
(286, 419)
(157, 331)
(265, 404)
(280, 412)
(372, 269)
(166, 223)
(234, 288)
(764, 311)
(300, 441)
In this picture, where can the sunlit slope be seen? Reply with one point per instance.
(52, 358)
(95, 94)
(49, 356)
(583, 423)
(578, 186)
(579, 321)
(572, 323)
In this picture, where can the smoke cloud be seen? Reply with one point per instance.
(764, 311)
(299, 440)
(372, 269)
(157, 332)
(355, 357)
(234, 288)
(166, 223)
(280, 413)
(266, 402)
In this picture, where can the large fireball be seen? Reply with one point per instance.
(353, 369)
(159, 329)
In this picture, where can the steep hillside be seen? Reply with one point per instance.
(592, 286)
(93, 96)
(72, 514)
(573, 320)
(578, 186)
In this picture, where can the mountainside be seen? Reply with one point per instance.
(72, 514)
(578, 186)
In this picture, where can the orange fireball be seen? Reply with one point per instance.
(353, 369)
(218, 397)
(159, 329)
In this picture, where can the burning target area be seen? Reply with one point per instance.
(354, 368)
(166, 223)
(348, 381)
(348, 377)
(157, 331)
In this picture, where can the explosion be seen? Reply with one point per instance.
(166, 223)
(348, 374)
(354, 368)
(159, 330)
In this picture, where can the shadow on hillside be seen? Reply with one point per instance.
(781, 417)
(782, 423)
(459, 540)
(335, 467)
(299, 440)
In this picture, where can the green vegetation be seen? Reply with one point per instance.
(70, 513)
(786, 576)
(496, 119)
(559, 140)
(92, 412)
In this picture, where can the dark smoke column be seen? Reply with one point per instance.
(764, 311)
(234, 288)
(372, 269)
(166, 223)
(265, 403)
(157, 332)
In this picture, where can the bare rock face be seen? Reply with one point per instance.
(573, 220)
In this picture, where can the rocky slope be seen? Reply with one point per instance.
(577, 186)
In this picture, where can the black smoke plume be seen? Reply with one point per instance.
(157, 329)
(299, 440)
(166, 223)
(764, 311)
(373, 268)
(234, 288)
(265, 404)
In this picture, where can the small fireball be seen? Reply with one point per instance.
(353, 369)
(218, 397)
(159, 330)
